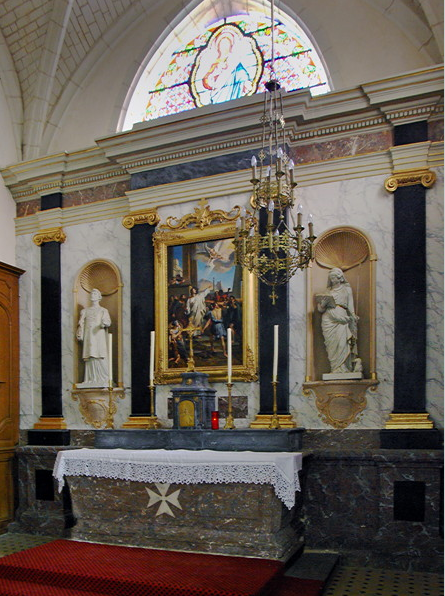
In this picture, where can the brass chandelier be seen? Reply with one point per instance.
(265, 242)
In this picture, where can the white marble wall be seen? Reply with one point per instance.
(435, 285)
(362, 203)
(28, 258)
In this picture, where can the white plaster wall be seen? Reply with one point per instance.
(8, 155)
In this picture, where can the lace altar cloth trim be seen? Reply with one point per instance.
(181, 466)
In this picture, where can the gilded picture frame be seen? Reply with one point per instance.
(200, 293)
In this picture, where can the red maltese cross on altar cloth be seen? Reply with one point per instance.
(163, 499)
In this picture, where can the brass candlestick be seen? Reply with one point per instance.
(190, 330)
(274, 422)
(109, 422)
(229, 420)
(152, 420)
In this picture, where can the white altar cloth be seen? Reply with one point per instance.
(181, 466)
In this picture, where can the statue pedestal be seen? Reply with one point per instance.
(340, 402)
(193, 401)
(98, 405)
(349, 376)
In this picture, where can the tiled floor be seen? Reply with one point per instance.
(344, 581)
(360, 581)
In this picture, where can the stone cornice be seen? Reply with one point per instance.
(229, 128)
(145, 202)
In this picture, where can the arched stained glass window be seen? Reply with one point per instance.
(229, 59)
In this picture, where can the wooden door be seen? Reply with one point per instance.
(9, 386)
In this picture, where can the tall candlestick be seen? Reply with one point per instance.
(275, 353)
(229, 355)
(152, 357)
(110, 360)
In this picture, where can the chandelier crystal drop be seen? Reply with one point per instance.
(266, 242)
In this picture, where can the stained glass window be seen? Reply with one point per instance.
(229, 59)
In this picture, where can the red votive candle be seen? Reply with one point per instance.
(215, 420)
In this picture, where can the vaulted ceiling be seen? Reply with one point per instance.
(47, 47)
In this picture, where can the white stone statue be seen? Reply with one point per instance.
(339, 326)
(92, 330)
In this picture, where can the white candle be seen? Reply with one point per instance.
(152, 358)
(275, 353)
(110, 360)
(229, 355)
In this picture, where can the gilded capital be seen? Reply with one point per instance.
(150, 216)
(424, 177)
(49, 235)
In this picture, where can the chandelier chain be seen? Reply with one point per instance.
(265, 242)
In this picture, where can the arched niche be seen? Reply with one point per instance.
(340, 402)
(104, 276)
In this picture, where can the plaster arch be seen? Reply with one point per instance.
(12, 117)
(99, 89)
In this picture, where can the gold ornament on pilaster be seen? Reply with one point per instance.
(416, 420)
(149, 216)
(276, 254)
(425, 177)
(51, 423)
(264, 421)
(49, 235)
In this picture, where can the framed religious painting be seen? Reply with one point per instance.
(201, 292)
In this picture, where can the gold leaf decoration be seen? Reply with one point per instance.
(49, 235)
(202, 217)
(150, 216)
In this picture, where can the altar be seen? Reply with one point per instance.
(238, 503)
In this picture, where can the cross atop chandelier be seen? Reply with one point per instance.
(265, 241)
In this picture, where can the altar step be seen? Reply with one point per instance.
(314, 565)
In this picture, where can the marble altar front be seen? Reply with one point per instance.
(139, 503)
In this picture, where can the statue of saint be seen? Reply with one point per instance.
(339, 324)
(92, 331)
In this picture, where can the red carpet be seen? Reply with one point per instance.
(70, 568)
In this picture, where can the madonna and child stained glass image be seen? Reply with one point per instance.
(204, 293)
(231, 59)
